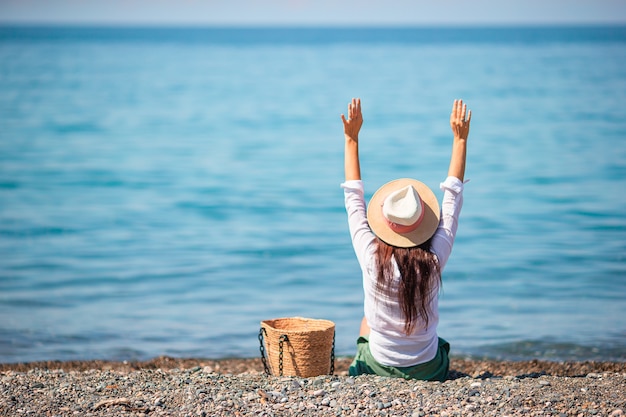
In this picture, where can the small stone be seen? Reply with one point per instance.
(476, 384)
(594, 375)
(319, 393)
(326, 401)
(382, 405)
(617, 413)
(274, 394)
(544, 383)
(317, 382)
(336, 384)
(333, 403)
(350, 381)
(37, 385)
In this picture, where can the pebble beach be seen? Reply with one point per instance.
(238, 387)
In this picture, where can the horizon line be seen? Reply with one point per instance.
(450, 25)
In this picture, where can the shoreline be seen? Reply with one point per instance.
(459, 367)
(204, 387)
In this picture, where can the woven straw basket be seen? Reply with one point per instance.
(297, 346)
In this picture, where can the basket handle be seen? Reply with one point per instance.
(283, 338)
(332, 357)
(262, 349)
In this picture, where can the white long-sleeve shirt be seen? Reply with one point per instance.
(389, 344)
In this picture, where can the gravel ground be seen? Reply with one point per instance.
(237, 387)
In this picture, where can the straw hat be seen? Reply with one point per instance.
(403, 213)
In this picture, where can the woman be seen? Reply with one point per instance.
(402, 244)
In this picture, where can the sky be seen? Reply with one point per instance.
(312, 12)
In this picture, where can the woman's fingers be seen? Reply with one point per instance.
(355, 108)
(454, 116)
(459, 112)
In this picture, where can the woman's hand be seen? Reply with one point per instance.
(351, 129)
(460, 123)
(352, 126)
(460, 120)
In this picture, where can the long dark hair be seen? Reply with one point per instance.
(419, 272)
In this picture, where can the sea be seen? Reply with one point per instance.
(165, 189)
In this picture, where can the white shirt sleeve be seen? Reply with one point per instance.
(362, 237)
(451, 205)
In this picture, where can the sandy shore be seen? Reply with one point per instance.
(200, 387)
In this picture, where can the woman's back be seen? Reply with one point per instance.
(389, 342)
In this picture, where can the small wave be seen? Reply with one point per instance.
(85, 127)
(9, 185)
(37, 231)
(31, 303)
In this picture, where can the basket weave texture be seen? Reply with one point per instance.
(308, 350)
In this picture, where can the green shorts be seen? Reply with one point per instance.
(433, 370)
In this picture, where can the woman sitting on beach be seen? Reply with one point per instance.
(402, 244)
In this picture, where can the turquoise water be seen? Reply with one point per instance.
(164, 190)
